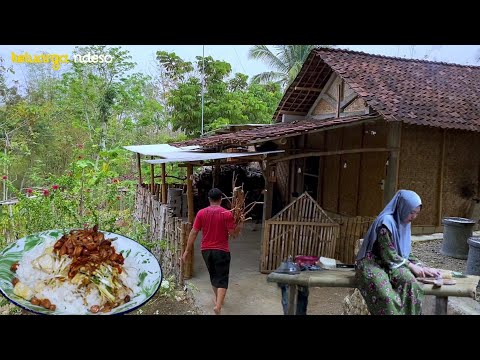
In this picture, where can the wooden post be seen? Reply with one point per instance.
(191, 216)
(360, 169)
(440, 185)
(139, 169)
(391, 181)
(191, 213)
(164, 185)
(152, 177)
(441, 305)
(185, 268)
(268, 195)
(216, 173)
(340, 167)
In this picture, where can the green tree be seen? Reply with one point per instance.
(226, 100)
(285, 61)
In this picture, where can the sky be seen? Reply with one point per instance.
(236, 55)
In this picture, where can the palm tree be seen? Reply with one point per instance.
(286, 62)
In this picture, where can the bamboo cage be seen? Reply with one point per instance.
(302, 228)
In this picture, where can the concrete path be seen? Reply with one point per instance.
(249, 293)
(248, 290)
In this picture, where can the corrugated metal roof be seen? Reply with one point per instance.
(158, 149)
(183, 156)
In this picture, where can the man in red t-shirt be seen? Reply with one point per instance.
(217, 224)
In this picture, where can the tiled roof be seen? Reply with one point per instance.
(413, 91)
(271, 132)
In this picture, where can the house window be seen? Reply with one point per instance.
(311, 175)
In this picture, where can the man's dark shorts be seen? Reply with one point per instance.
(218, 265)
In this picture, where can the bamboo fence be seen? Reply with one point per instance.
(168, 233)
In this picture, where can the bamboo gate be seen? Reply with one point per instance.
(302, 228)
(169, 234)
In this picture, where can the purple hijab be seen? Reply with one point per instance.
(393, 217)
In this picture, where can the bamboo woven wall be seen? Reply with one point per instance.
(420, 166)
(462, 162)
(168, 234)
(302, 228)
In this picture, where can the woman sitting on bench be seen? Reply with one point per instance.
(386, 270)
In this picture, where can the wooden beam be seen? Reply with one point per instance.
(329, 153)
(348, 100)
(327, 128)
(164, 184)
(440, 182)
(332, 78)
(302, 88)
(298, 80)
(139, 168)
(292, 112)
(339, 99)
(286, 222)
(391, 181)
(233, 161)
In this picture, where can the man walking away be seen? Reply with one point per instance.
(217, 224)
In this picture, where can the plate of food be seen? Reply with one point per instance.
(80, 272)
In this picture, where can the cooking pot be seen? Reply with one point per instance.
(288, 267)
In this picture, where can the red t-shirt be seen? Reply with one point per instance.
(214, 221)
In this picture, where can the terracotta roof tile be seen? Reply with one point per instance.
(272, 132)
(414, 91)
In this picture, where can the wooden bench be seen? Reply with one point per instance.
(465, 287)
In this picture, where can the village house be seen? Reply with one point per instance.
(354, 128)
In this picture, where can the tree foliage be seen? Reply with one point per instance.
(62, 132)
(227, 100)
(284, 60)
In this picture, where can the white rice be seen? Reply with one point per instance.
(67, 297)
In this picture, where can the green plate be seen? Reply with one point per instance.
(149, 270)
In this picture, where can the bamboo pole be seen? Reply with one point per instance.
(465, 287)
(164, 184)
(152, 177)
(191, 215)
(139, 167)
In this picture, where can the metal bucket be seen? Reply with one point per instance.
(456, 232)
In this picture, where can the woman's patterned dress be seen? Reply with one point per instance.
(385, 281)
